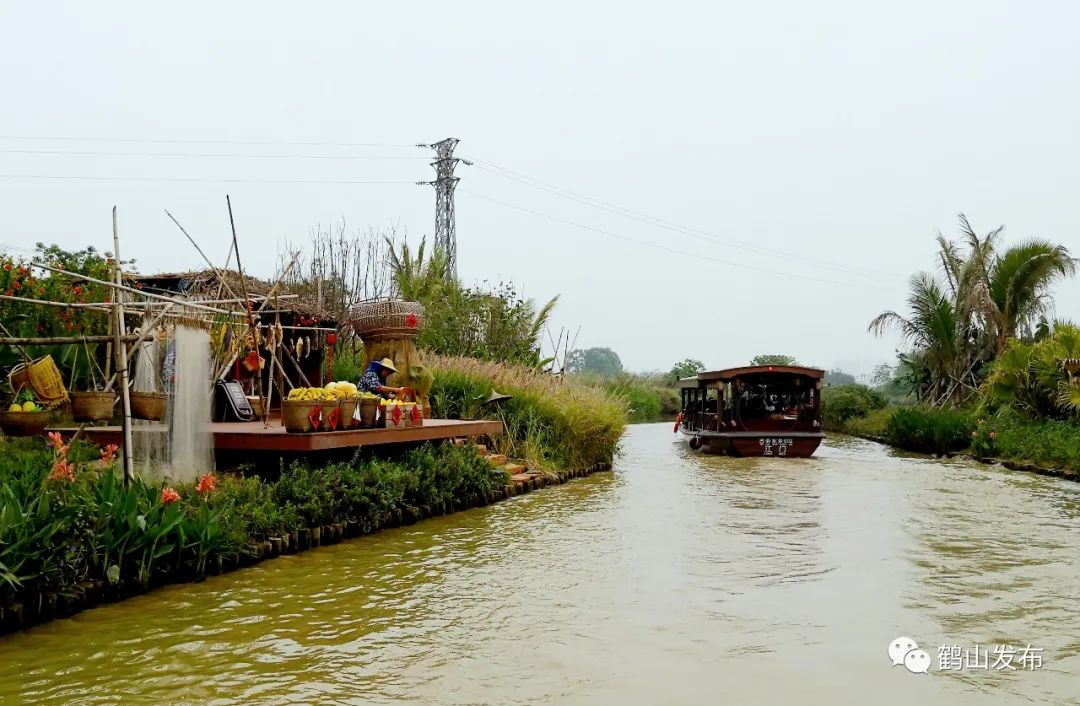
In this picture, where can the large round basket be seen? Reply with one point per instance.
(149, 405)
(295, 413)
(386, 318)
(348, 410)
(94, 406)
(24, 423)
(41, 376)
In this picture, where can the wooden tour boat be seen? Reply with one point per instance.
(763, 410)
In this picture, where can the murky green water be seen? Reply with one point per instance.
(678, 579)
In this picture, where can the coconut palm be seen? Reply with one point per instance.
(939, 337)
(1010, 290)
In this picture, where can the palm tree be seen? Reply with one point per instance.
(940, 337)
(1009, 291)
(416, 279)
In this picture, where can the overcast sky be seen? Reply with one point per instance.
(801, 156)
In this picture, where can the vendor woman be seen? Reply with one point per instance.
(374, 380)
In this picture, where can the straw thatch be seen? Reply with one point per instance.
(208, 284)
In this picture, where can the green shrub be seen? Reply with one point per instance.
(1012, 436)
(872, 425)
(929, 430)
(844, 402)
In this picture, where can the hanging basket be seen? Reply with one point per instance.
(24, 423)
(93, 406)
(149, 405)
(41, 376)
(386, 318)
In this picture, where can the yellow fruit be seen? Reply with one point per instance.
(29, 407)
(15, 407)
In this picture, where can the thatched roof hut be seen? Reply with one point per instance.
(209, 285)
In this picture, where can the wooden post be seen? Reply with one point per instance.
(119, 333)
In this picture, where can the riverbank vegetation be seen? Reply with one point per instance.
(68, 524)
(552, 423)
(985, 365)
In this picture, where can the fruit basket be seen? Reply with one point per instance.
(25, 416)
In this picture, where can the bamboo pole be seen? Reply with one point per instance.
(247, 307)
(131, 290)
(66, 305)
(225, 368)
(122, 360)
(61, 340)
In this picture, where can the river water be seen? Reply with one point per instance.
(677, 579)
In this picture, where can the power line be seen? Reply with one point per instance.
(668, 225)
(135, 140)
(230, 155)
(203, 179)
(696, 256)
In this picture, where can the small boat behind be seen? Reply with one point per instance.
(763, 410)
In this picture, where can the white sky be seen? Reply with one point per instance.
(838, 132)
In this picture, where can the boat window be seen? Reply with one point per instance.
(774, 397)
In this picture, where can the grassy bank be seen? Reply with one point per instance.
(554, 425)
(648, 398)
(68, 525)
(1006, 436)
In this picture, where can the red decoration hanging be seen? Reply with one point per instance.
(315, 416)
(412, 320)
(396, 415)
(334, 417)
(416, 415)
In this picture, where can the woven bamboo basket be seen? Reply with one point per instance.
(149, 405)
(93, 406)
(294, 415)
(43, 377)
(369, 412)
(327, 408)
(348, 409)
(386, 318)
(24, 423)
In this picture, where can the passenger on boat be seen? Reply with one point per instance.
(374, 379)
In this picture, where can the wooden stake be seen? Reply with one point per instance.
(122, 359)
(247, 309)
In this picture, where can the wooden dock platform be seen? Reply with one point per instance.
(252, 436)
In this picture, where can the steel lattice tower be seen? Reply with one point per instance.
(445, 182)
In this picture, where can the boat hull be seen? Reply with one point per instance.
(763, 444)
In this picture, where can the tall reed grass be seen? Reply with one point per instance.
(554, 424)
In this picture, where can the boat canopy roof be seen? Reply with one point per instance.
(715, 376)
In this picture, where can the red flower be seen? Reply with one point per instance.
(7, 267)
(9, 293)
(23, 270)
(62, 470)
(207, 484)
(169, 496)
(138, 285)
(78, 291)
(108, 454)
(56, 441)
(16, 285)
